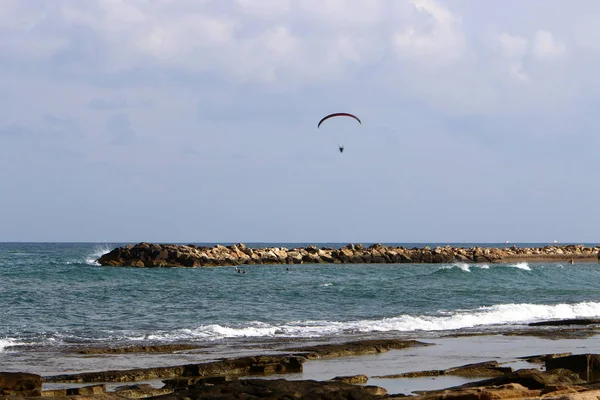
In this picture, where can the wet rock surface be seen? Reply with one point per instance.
(165, 348)
(355, 348)
(559, 383)
(566, 322)
(531, 379)
(263, 365)
(279, 389)
(150, 255)
(254, 365)
(567, 377)
(541, 358)
(484, 369)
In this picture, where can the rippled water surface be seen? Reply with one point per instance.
(55, 297)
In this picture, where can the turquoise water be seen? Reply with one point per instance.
(54, 297)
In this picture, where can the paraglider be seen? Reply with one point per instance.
(338, 115)
(325, 118)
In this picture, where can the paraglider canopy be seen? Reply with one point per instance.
(338, 115)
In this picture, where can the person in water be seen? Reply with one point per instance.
(341, 149)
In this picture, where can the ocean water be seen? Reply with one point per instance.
(55, 299)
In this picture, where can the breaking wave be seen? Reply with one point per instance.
(468, 267)
(99, 252)
(498, 315)
(6, 343)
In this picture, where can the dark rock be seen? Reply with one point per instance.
(280, 389)
(356, 348)
(562, 322)
(54, 393)
(541, 358)
(353, 380)
(20, 384)
(488, 368)
(87, 390)
(182, 383)
(484, 369)
(260, 365)
(531, 379)
(587, 366)
(164, 348)
(170, 255)
(508, 391)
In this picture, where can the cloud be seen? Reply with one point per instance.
(545, 46)
(514, 48)
(446, 90)
(434, 33)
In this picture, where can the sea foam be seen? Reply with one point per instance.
(490, 316)
(99, 252)
(6, 343)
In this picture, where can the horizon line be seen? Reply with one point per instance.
(298, 242)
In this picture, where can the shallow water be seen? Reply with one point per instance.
(446, 353)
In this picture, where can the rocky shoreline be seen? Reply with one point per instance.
(171, 255)
(552, 376)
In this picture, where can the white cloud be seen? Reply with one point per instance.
(512, 46)
(443, 87)
(545, 46)
(514, 49)
(265, 8)
(415, 48)
(433, 32)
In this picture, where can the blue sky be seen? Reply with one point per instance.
(195, 120)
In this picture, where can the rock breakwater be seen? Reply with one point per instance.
(172, 255)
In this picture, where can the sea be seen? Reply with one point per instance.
(56, 300)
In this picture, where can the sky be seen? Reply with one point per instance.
(196, 121)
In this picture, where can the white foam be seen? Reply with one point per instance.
(463, 266)
(497, 315)
(98, 252)
(522, 265)
(466, 267)
(5, 343)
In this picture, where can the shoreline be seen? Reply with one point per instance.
(397, 366)
(149, 255)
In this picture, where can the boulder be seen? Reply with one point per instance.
(531, 379)
(587, 366)
(87, 390)
(20, 384)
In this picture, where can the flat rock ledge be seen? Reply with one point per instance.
(573, 377)
(172, 255)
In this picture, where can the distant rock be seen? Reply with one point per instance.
(148, 255)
